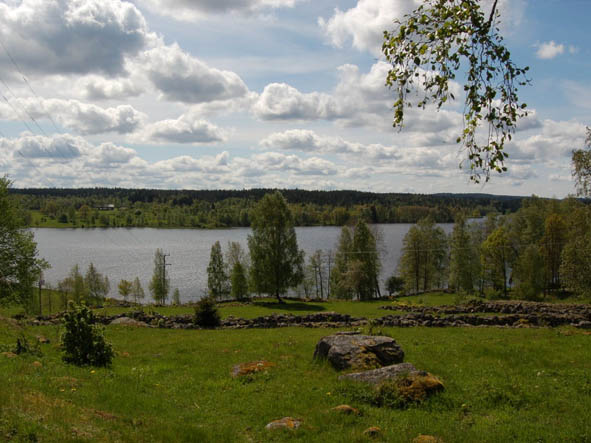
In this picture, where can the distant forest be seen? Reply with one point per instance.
(118, 207)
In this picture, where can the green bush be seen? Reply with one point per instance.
(206, 313)
(83, 342)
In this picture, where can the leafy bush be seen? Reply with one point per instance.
(83, 343)
(24, 347)
(206, 313)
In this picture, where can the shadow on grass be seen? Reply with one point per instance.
(291, 306)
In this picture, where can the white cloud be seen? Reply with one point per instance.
(365, 23)
(188, 128)
(59, 147)
(72, 36)
(280, 101)
(549, 50)
(82, 118)
(400, 159)
(191, 10)
(358, 100)
(551, 144)
(183, 78)
(100, 88)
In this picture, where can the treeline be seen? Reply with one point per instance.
(115, 207)
(543, 248)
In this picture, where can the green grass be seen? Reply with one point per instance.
(174, 385)
(53, 302)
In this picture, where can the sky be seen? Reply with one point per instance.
(239, 94)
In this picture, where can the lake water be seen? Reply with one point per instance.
(126, 253)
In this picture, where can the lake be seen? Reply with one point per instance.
(126, 253)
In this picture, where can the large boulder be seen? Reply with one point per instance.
(356, 351)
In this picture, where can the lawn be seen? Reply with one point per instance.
(175, 385)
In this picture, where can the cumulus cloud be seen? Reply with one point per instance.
(365, 23)
(72, 36)
(183, 78)
(551, 144)
(280, 101)
(279, 162)
(184, 163)
(399, 159)
(188, 128)
(82, 118)
(359, 99)
(549, 50)
(61, 147)
(190, 10)
(100, 88)
(68, 150)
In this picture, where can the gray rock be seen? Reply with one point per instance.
(357, 351)
(126, 321)
(376, 376)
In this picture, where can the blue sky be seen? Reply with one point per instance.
(265, 93)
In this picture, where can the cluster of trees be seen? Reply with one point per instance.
(206, 209)
(545, 247)
(91, 288)
(275, 264)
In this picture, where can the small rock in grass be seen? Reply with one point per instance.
(421, 438)
(346, 409)
(418, 387)
(284, 423)
(37, 364)
(42, 339)
(251, 368)
(374, 431)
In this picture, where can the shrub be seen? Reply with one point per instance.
(24, 347)
(206, 313)
(83, 342)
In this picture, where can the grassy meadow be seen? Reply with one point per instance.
(502, 385)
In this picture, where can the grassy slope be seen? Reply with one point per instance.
(174, 385)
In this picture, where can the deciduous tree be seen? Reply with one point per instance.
(217, 276)
(97, 285)
(277, 263)
(19, 265)
(137, 292)
(160, 284)
(125, 288)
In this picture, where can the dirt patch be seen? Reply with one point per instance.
(250, 368)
